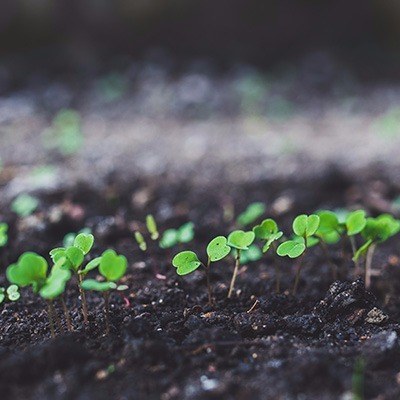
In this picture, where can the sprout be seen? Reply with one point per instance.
(3, 234)
(10, 294)
(240, 241)
(304, 227)
(251, 214)
(24, 205)
(112, 267)
(172, 237)
(376, 230)
(152, 227)
(186, 262)
(140, 241)
(69, 238)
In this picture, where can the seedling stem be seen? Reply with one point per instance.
(368, 265)
(235, 272)
(210, 299)
(66, 314)
(83, 299)
(299, 268)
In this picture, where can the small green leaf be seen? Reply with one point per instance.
(2, 296)
(169, 239)
(140, 241)
(218, 249)
(152, 227)
(55, 283)
(186, 233)
(3, 234)
(305, 225)
(254, 253)
(266, 229)
(381, 228)
(112, 266)
(252, 212)
(291, 248)
(241, 240)
(84, 242)
(121, 288)
(93, 264)
(24, 205)
(75, 256)
(92, 284)
(13, 293)
(186, 262)
(355, 222)
(274, 237)
(362, 251)
(328, 223)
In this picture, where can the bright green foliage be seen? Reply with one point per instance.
(251, 214)
(92, 284)
(140, 241)
(329, 229)
(84, 242)
(56, 282)
(3, 234)
(10, 294)
(186, 262)
(24, 205)
(152, 227)
(268, 230)
(254, 253)
(91, 265)
(241, 240)
(69, 238)
(112, 266)
(306, 225)
(172, 237)
(75, 257)
(291, 248)
(218, 249)
(355, 222)
(30, 269)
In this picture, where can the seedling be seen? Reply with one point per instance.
(269, 232)
(240, 241)
(69, 238)
(172, 237)
(140, 241)
(10, 294)
(304, 227)
(186, 262)
(3, 234)
(251, 214)
(74, 257)
(152, 227)
(112, 267)
(377, 230)
(24, 205)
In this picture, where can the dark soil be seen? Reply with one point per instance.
(166, 342)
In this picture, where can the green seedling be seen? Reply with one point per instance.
(3, 234)
(186, 262)
(10, 294)
(377, 230)
(240, 241)
(140, 241)
(172, 237)
(112, 267)
(304, 227)
(152, 227)
(254, 253)
(31, 270)
(73, 260)
(24, 205)
(251, 214)
(269, 232)
(65, 134)
(69, 238)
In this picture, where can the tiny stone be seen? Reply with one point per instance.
(376, 316)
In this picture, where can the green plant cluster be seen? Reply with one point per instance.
(50, 283)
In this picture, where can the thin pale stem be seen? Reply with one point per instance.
(368, 264)
(235, 272)
(210, 299)
(354, 251)
(66, 314)
(299, 267)
(49, 314)
(106, 310)
(83, 299)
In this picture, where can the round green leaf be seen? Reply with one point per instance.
(75, 256)
(93, 264)
(355, 222)
(328, 223)
(84, 242)
(55, 283)
(186, 233)
(254, 253)
(291, 248)
(266, 229)
(270, 240)
(186, 262)
(218, 249)
(252, 212)
(241, 240)
(305, 225)
(112, 266)
(169, 239)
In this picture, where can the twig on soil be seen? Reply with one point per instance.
(251, 309)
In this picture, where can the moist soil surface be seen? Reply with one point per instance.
(166, 341)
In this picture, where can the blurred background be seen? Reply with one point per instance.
(202, 90)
